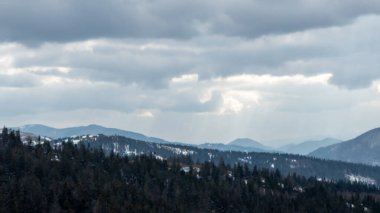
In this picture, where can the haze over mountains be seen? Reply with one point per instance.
(240, 144)
(308, 146)
(247, 142)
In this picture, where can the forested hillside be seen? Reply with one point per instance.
(76, 178)
(285, 163)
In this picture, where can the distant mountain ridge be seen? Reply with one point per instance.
(228, 147)
(363, 149)
(308, 146)
(92, 129)
(247, 142)
(285, 163)
(240, 145)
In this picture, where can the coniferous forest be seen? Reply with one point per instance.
(78, 178)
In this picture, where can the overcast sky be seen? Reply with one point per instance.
(194, 71)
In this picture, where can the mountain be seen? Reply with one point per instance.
(243, 145)
(229, 147)
(77, 177)
(362, 149)
(308, 146)
(246, 142)
(240, 145)
(285, 163)
(92, 129)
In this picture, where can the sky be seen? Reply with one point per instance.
(194, 71)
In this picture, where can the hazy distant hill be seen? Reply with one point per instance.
(308, 146)
(240, 144)
(362, 149)
(228, 147)
(38, 129)
(247, 142)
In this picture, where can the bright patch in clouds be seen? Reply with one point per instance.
(146, 114)
(185, 78)
(82, 46)
(230, 104)
(5, 61)
(263, 80)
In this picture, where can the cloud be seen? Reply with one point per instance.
(146, 114)
(17, 81)
(62, 21)
(350, 53)
(216, 109)
(202, 67)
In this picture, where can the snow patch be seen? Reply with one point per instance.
(178, 151)
(360, 179)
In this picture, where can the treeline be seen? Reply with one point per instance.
(286, 163)
(77, 178)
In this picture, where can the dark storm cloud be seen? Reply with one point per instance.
(212, 39)
(34, 22)
(256, 18)
(59, 21)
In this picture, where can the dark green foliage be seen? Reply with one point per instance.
(75, 178)
(285, 163)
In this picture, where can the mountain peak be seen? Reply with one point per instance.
(371, 133)
(363, 149)
(33, 126)
(94, 126)
(247, 142)
(92, 129)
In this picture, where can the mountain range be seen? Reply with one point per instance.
(240, 144)
(363, 149)
(93, 129)
(285, 163)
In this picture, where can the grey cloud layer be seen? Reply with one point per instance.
(111, 62)
(350, 53)
(34, 22)
(222, 38)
